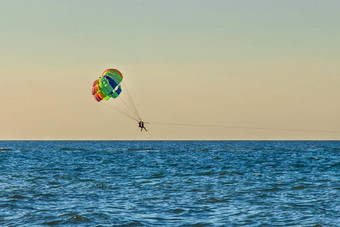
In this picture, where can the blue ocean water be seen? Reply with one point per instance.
(170, 183)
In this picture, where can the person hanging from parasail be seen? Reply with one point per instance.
(141, 125)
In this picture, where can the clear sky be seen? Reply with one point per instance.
(267, 64)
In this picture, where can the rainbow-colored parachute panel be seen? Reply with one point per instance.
(108, 85)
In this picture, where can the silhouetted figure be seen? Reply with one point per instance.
(141, 125)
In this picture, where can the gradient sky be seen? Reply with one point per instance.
(268, 64)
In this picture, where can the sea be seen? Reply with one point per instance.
(170, 183)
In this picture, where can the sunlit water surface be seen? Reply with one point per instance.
(170, 183)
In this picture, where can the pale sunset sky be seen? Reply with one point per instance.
(255, 63)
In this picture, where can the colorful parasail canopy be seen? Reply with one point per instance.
(108, 85)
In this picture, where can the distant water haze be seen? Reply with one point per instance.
(260, 64)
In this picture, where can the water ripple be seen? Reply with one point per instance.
(169, 183)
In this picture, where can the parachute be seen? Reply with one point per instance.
(108, 86)
(108, 89)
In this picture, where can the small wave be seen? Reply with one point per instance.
(208, 173)
(72, 149)
(133, 223)
(52, 222)
(141, 149)
(223, 173)
(275, 189)
(102, 185)
(217, 200)
(298, 187)
(232, 173)
(217, 158)
(18, 197)
(157, 175)
(46, 195)
(197, 190)
(317, 225)
(205, 149)
(199, 224)
(335, 164)
(212, 200)
(74, 218)
(178, 211)
(314, 158)
(80, 218)
(5, 149)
